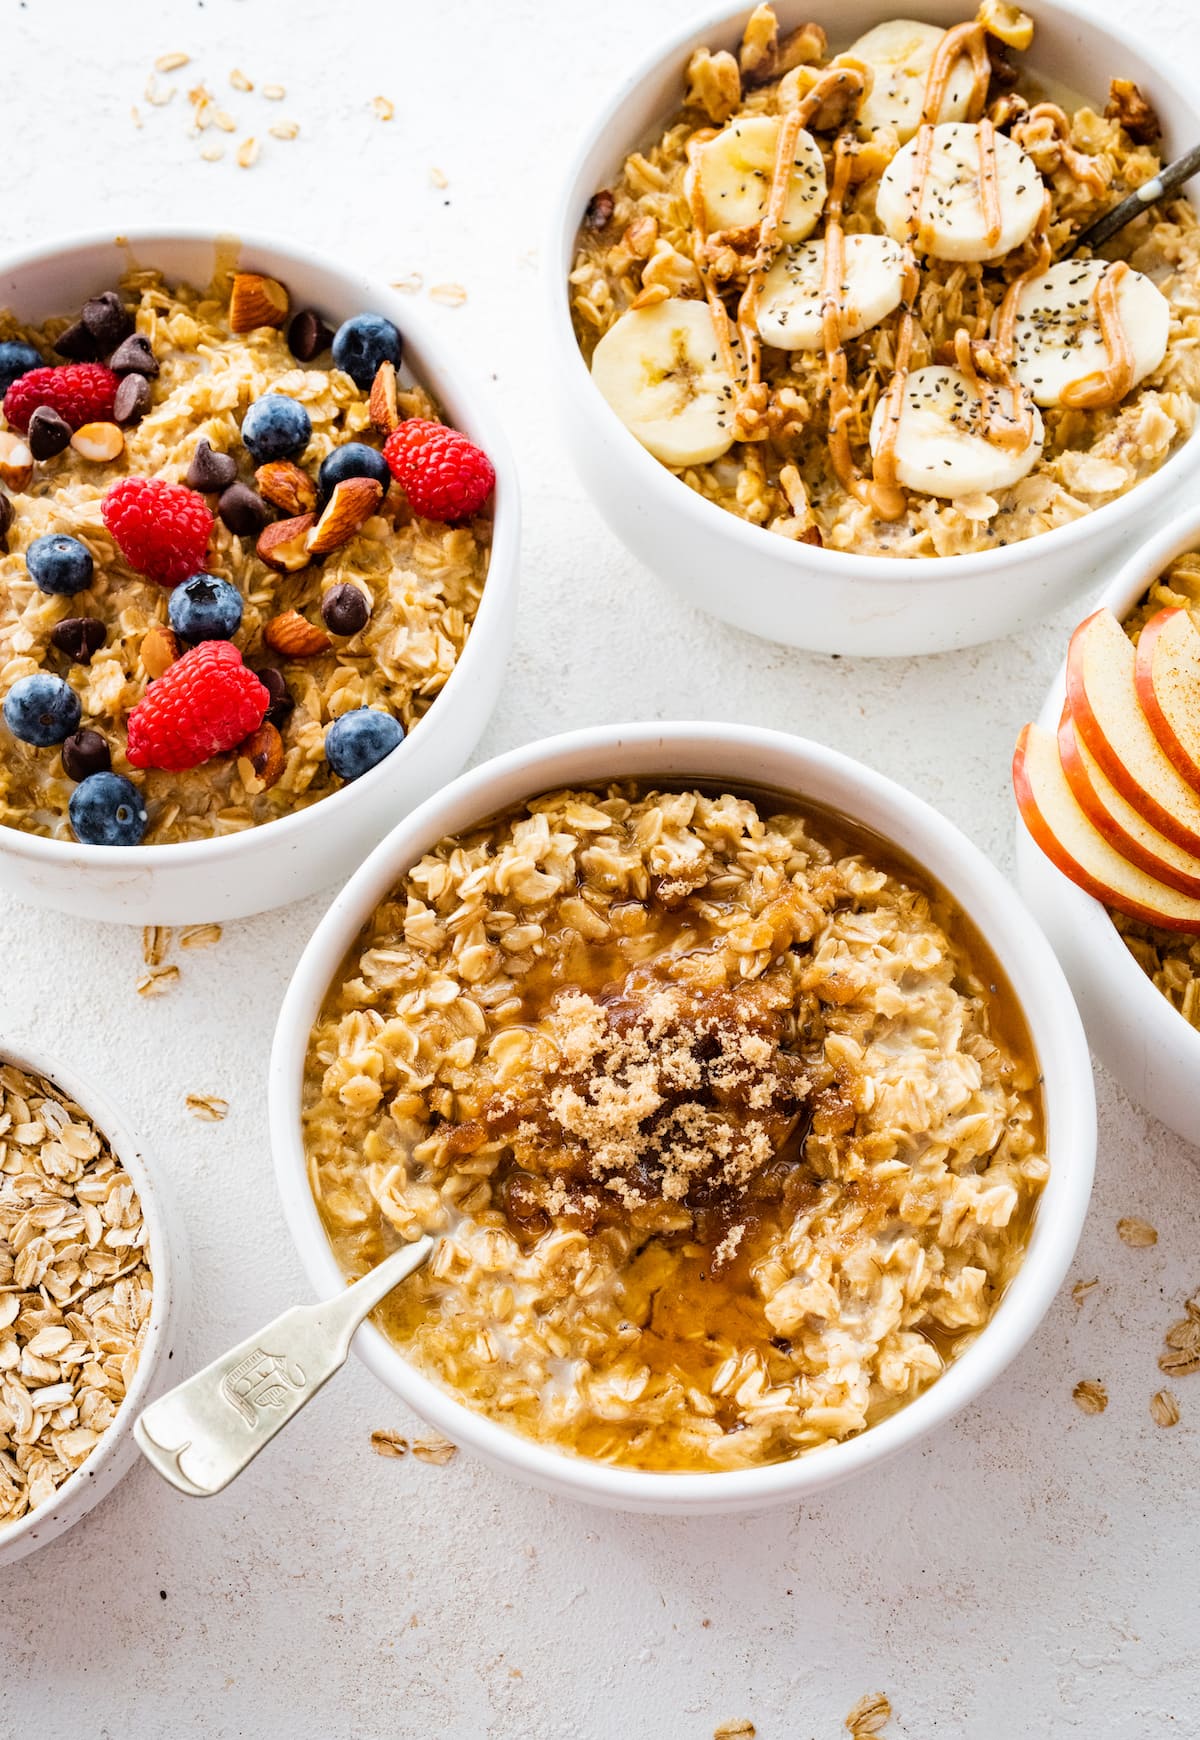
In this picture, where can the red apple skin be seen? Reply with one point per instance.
(1088, 727)
(1130, 848)
(1143, 676)
(1062, 860)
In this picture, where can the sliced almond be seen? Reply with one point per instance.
(160, 649)
(99, 442)
(283, 546)
(16, 461)
(382, 407)
(256, 301)
(295, 636)
(286, 487)
(352, 503)
(260, 759)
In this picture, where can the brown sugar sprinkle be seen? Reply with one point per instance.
(199, 936)
(1164, 1409)
(1090, 1398)
(869, 1716)
(384, 108)
(157, 981)
(437, 1451)
(1138, 1234)
(207, 1107)
(156, 940)
(385, 1442)
(743, 1730)
(1081, 1289)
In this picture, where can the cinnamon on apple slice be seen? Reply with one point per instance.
(1167, 674)
(1103, 703)
(1121, 825)
(1064, 833)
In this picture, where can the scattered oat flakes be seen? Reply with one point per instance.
(247, 153)
(735, 1731)
(869, 1715)
(274, 93)
(1164, 1409)
(284, 130)
(436, 1450)
(199, 936)
(384, 108)
(225, 121)
(212, 153)
(1137, 1233)
(1179, 1362)
(450, 295)
(171, 62)
(156, 940)
(385, 1442)
(157, 981)
(1081, 1289)
(1184, 1335)
(136, 115)
(1192, 1307)
(157, 98)
(438, 178)
(239, 81)
(207, 1107)
(1090, 1398)
(409, 285)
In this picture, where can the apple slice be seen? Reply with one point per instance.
(1167, 674)
(1103, 703)
(1119, 822)
(1058, 825)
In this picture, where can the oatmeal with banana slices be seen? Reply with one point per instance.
(838, 296)
(728, 1123)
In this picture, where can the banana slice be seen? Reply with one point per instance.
(1057, 336)
(789, 314)
(660, 370)
(735, 178)
(900, 53)
(951, 222)
(940, 444)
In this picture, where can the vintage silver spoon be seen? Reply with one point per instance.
(202, 1434)
(1135, 203)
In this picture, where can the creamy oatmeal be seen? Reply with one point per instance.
(837, 297)
(729, 1125)
(369, 613)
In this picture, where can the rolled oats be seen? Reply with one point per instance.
(1164, 1409)
(1139, 1234)
(385, 1442)
(869, 1716)
(1090, 1398)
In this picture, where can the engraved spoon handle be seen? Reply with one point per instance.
(203, 1433)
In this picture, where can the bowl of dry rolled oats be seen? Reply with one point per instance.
(828, 360)
(1130, 944)
(90, 1288)
(258, 555)
(751, 1111)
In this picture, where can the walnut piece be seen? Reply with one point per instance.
(1129, 109)
(714, 84)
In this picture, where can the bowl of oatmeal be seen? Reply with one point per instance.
(836, 386)
(757, 1122)
(234, 646)
(91, 1282)
(1135, 969)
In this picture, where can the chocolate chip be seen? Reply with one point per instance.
(6, 519)
(48, 433)
(210, 472)
(79, 637)
(131, 400)
(281, 701)
(134, 357)
(77, 343)
(107, 319)
(244, 512)
(85, 753)
(344, 609)
(308, 335)
(599, 211)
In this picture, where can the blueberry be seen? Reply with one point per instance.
(362, 343)
(276, 427)
(60, 564)
(16, 360)
(205, 608)
(41, 709)
(356, 741)
(107, 810)
(355, 459)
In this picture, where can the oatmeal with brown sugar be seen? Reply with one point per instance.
(728, 1124)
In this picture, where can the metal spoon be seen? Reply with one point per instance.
(1135, 203)
(202, 1434)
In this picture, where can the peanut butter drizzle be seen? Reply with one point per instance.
(1088, 170)
(1109, 385)
(884, 465)
(989, 185)
(962, 39)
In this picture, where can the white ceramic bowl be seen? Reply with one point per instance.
(287, 859)
(834, 601)
(735, 754)
(1134, 1031)
(116, 1452)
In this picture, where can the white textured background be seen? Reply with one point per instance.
(1030, 1571)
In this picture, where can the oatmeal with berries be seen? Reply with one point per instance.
(728, 1123)
(840, 295)
(239, 559)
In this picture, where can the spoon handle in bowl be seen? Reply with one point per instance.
(203, 1433)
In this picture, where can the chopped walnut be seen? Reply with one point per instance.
(1129, 109)
(764, 56)
(714, 84)
(599, 211)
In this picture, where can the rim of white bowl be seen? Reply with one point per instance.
(1087, 914)
(675, 496)
(500, 581)
(129, 1150)
(998, 912)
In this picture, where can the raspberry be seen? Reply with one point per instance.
(80, 393)
(204, 703)
(162, 529)
(445, 476)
